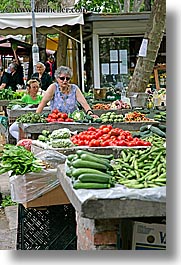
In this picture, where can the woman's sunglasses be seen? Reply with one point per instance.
(64, 77)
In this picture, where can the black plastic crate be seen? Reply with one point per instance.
(50, 228)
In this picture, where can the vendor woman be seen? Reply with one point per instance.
(63, 95)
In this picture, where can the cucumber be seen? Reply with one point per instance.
(157, 131)
(90, 185)
(76, 172)
(89, 164)
(88, 177)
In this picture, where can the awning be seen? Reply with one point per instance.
(21, 23)
(46, 23)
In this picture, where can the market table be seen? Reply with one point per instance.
(32, 130)
(13, 114)
(100, 212)
(4, 103)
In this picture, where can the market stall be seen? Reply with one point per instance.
(101, 212)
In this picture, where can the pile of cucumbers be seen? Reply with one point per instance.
(89, 171)
(138, 169)
(148, 130)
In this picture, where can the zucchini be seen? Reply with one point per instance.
(143, 128)
(76, 172)
(72, 157)
(89, 164)
(162, 127)
(157, 131)
(98, 178)
(144, 133)
(80, 152)
(90, 185)
(96, 160)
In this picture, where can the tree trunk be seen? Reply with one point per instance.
(154, 33)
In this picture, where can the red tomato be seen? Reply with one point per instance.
(115, 132)
(129, 137)
(69, 120)
(94, 143)
(103, 126)
(91, 128)
(131, 143)
(81, 142)
(56, 111)
(106, 130)
(104, 143)
(60, 119)
(145, 143)
(121, 137)
(64, 116)
(121, 143)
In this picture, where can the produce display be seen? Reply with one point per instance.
(16, 103)
(140, 168)
(18, 161)
(148, 130)
(156, 140)
(135, 116)
(31, 117)
(6, 94)
(106, 135)
(9, 94)
(57, 139)
(57, 116)
(89, 171)
(117, 104)
(26, 143)
(160, 117)
(101, 106)
(110, 117)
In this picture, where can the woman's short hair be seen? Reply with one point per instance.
(63, 70)
(31, 81)
(40, 64)
(14, 66)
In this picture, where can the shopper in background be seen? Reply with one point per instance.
(40, 74)
(31, 97)
(63, 95)
(4, 78)
(15, 78)
(18, 62)
(50, 66)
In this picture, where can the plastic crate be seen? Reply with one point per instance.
(50, 228)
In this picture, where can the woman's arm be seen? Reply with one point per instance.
(46, 98)
(81, 99)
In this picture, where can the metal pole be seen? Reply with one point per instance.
(35, 48)
(82, 58)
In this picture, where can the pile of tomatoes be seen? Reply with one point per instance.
(106, 135)
(57, 116)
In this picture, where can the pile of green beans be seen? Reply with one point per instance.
(140, 168)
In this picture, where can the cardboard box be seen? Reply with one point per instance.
(147, 236)
(57, 196)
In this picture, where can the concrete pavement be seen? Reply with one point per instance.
(8, 218)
